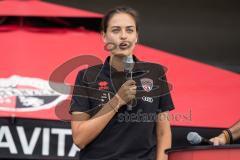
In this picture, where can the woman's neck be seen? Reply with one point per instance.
(117, 62)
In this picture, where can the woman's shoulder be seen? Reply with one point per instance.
(90, 74)
(156, 67)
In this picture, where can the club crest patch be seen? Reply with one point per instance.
(147, 84)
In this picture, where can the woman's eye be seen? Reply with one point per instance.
(129, 30)
(115, 30)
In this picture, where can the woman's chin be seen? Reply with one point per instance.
(122, 54)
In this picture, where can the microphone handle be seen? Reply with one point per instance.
(130, 103)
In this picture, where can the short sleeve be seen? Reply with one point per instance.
(165, 101)
(80, 100)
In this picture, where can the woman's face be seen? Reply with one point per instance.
(121, 31)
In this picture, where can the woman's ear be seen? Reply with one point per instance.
(103, 36)
(136, 41)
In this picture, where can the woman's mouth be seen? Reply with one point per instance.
(124, 45)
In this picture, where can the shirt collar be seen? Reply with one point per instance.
(107, 68)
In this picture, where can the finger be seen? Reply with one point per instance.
(211, 140)
(131, 97)
(133, 92)
(133, 87)
(130, 82)
(216, 142)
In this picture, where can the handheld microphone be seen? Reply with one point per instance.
(128, 63)
(195, 138)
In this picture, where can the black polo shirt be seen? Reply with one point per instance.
(131, 133)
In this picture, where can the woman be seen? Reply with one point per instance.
(109, 133)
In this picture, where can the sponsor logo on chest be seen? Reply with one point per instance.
(147, 99)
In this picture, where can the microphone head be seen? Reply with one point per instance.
(128, 63)
(194, 138)
(128, 59)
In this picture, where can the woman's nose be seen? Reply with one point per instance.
(123, 35)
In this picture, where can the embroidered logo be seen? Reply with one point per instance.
(103, 85)
(147, 84)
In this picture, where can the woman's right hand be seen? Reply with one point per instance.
(127, 92)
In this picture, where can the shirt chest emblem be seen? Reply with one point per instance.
(103, 85)
(147, 84)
